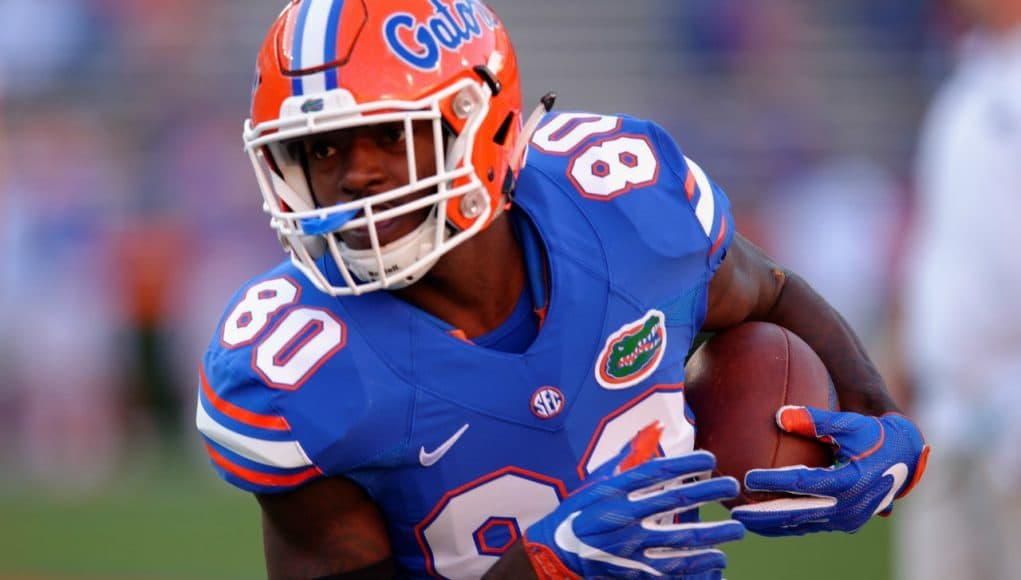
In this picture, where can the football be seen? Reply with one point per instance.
(736, 381)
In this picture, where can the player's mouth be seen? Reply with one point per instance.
(387, 231)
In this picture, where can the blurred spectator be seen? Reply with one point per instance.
(963, 313)
(203, 181)
(62, 188)
(814, 223)
(40, 42)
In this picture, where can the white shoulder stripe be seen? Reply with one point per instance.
(280, 454)
(705, 209)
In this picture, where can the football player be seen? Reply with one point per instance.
(473, 361)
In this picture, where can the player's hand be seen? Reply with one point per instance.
(620, 523)
(878, 459)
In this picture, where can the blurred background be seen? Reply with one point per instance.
(129, 215)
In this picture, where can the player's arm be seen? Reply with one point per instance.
(880, 453)
(750, 286)
(328, 528)
(514, 563)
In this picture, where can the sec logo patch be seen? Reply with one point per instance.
(547, 402)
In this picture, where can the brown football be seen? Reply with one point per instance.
(736, 381)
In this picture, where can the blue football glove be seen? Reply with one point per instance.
(878, 459)
(621, 522)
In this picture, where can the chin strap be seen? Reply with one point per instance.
(545, 106)
(395, 256)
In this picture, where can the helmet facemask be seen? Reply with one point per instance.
(311, 234)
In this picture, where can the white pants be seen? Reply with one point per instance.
(957, 525)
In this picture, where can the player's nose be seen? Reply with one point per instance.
(365, 172)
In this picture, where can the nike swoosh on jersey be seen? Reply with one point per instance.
(569, 542)
(899, 473)
(428, 458)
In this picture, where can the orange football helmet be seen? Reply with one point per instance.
(334, 64)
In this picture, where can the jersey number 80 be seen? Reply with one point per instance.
(301, 340)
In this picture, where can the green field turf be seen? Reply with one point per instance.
(178, 521)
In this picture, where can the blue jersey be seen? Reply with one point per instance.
(463, 447)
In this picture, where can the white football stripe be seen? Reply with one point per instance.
(313, 44)
(705, 209)
(281, 454)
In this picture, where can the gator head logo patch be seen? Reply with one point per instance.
(632, 353)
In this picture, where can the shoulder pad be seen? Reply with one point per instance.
(637, 171)
(248, 438)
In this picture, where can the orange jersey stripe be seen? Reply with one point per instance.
(540, 313)
(245, 416)
(721, 236)
(689, 185)
(261, 478)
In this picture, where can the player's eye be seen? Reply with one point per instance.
(321, 151)
(392, 134)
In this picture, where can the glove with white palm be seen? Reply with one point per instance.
(878, 459)
(621, 522)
